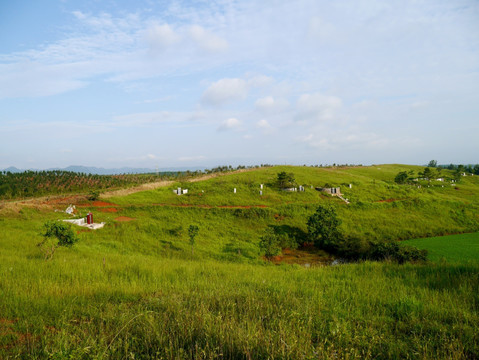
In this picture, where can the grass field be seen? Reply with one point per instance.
(134, 290)
(459, 248)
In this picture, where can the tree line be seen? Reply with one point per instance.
(50, 182)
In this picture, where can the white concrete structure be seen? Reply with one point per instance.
(82, 222)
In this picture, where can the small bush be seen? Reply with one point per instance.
(270, 243)
(93, 195)
(56, 234)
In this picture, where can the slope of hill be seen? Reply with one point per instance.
(137, 288)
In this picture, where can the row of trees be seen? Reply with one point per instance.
(470, 168)
(431, 172)
(40, 183)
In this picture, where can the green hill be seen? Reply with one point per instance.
(135, 290)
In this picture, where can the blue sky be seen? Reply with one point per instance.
(205, 83)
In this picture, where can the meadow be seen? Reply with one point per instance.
(135, 289)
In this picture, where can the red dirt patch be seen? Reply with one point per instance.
(124, 218)
(102, 203)
(83, 230)
(278, 217)
(97, 203)
(108, 210)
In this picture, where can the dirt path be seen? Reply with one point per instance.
(61, 200)
(142, 187)
(160, 184)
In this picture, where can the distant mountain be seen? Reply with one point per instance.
(103, 171)
(13, 169)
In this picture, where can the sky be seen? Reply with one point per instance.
(221, 82)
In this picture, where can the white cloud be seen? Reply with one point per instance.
(260, 81)
(161, 36)
(269, 104)
(224, 91)
(191, 158)
(207, 40)
(265, 127)
(229, 124)
(345, 141)
(318, 107)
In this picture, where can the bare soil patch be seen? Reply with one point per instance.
(108, 210)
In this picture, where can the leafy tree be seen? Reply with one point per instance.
(427, 173)
(401, 177)
(192, 232)
(285, 180)
(432, 163)
(56, 234)
(270, 243)
(93, 195)
(323, 228)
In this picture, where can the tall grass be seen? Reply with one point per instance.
(166, 308)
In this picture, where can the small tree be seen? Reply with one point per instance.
(401, 177)
(285, 180)
(427, 173)
(270, 243)
(192, 232)
(323, 228)
(432, 163)
(56, 234)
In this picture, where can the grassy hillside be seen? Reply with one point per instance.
(134, 289)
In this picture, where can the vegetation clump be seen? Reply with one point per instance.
(323, 230)
(285, 180)
(56, 234)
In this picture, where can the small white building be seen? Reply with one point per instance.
(180, 191)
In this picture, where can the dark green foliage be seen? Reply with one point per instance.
(427, 173)
(291, 236)
(39, 183)
(432, 163)
(56, 234)
(192, 232)
(94, 195)
(323, 228)
(61, 231)
(285, 180)
(402, 177)
(359, 249)
(393, 250)
(323, 231)
(270, 243)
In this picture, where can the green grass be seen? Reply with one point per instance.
(453, 248)
(134, 290)
(85, 307)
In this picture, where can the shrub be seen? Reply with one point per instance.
(56, 234)
(393, 250)
(323, 228)
(270, 243)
